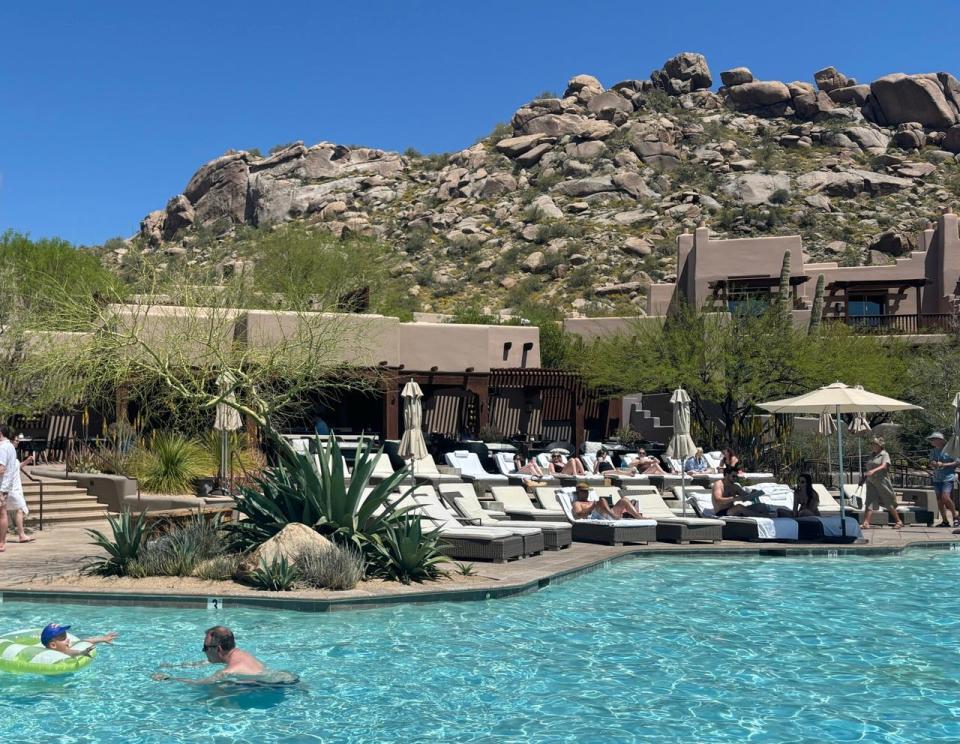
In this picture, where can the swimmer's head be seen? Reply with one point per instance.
(218, 641)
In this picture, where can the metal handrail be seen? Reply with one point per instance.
(37, 480)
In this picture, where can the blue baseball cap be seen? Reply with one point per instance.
(51, 632)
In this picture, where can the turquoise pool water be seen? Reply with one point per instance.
(648, 649)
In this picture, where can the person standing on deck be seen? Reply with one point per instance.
(944, 476)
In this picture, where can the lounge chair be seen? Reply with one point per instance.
(671, 528)
(382, 469)
(543, 460)
(450, 491)
(517, 504)
(429, 506)
(471, 470)
(556, 535)
(826, 526)
(605, 531)
(856, 494)
(742, 528)
(426, 470)
(506, 466)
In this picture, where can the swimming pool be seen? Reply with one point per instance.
(665, 649)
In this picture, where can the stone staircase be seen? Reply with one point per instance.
(63, 502)
(645, 417)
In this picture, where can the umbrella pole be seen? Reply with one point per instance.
(843, 507)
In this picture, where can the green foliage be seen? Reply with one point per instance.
(338, 567)
(816, 310)
(780, 196)
(313, 491)
(465, 569)
(501, 131)
(785, 295)
(181, 549)
(169, 462)
(122, 548)
(405, 553)
(277, 576)
(219, 568)
(932, 382)
(550, 230)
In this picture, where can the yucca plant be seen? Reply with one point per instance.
(312, 490)
(169, 462)
(405, 553)
(123, 548)
(277, 576)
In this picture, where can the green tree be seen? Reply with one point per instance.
(785, 296)
(816, 312)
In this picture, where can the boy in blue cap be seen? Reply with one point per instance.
(54, 636)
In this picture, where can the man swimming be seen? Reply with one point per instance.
(220, 647)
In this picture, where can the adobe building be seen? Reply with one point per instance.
(918, 292)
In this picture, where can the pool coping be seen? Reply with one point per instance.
(300, 604)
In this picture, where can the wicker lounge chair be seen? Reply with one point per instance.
(605, 531)
(450, 491)
(431, 508)
(742, 528)
(517, 504)
(426, 470)
(505, 465)
(671, 528)
(556, 535)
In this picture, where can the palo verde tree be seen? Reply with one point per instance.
(730, 363)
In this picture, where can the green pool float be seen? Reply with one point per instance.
(22, 653)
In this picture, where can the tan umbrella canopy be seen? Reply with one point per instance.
(412, 445)
(837, 399)
(952, 447)
(681, 444)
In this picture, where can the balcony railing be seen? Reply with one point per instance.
(913, 323)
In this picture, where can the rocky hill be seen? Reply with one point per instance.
(578, 200)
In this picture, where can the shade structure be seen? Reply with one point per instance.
(859, 426)
(225, 420)
(681, 444)
(412, 444)
(952, 447)
(837, 399)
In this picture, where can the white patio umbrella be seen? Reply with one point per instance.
(826, 427)
(412, 444)
(859, 426)
(681, 444)
(225, 420)
(952, 447)
(837, 399)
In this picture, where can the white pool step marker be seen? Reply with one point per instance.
(214, 603)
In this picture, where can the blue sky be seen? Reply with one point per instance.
(107, 108)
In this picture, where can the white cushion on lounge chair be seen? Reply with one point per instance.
(591, 448)
(713, 459)
(589, 461)
(826, 503)
(381, 467)
(515, 500)
(469, 466)
(543, 460)
(767, 529)
(653, 506)
(300, 446)
(775, 494)
(430, 506)
(427, 468)
(464, 491)
(507, 466)
(565, 502)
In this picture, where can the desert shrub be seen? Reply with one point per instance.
(277, 576)
(501, 131)
(245, 457)
(550, 230)
(181, 548)
(780, 196)
(405, 553)
(337, 567)
(168, 462)
(219, 568)
(123, 546)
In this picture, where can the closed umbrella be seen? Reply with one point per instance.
(837, 399)
(681, 444)
(859, 426)
(227, 419)
(826, 427)
(952, 447)
(412, 444)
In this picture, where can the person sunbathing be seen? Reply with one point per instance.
(573, 466)
(696, 463)
(526, 467)
(647, 465)
(725, 494)
(583, 508)
(604, 465)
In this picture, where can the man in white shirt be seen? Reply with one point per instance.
(8, 468)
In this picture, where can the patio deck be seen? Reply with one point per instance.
(46, 570)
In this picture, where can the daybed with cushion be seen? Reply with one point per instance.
(431, 508)
(470, 469)
(826, 526)
(605, 531)
(517, 504)
(556, 535)
(742, 528)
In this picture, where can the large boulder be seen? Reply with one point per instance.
(180, 215)
(219, 190)
(851, 94)
(829, 78)
(605, 105)
(586, 186)
(497, 185)
(871, 140)
(951, 141)
(759, 93)
(558, 125)
(288, 543)
(900, 98)
(810, 105)
(736, 76)
(756, 188)
(684, 73)
(583, 87)
(893, 243)
(514, 146)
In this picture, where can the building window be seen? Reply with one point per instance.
(869, 308)
(747, 300)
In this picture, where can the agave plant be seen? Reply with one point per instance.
(312, 490)
(405, 553)
(277, 576)
(123, 548)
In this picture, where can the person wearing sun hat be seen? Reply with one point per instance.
(943, 473)
(54, 636)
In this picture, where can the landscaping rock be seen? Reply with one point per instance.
(900, 98)
(757, 188)
(288, 543)
(829, 78)
(736, 76)
(893, 243)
